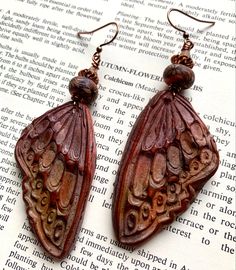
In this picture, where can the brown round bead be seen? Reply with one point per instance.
(83, 89)
(178, 76)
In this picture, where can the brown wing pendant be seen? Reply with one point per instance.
(169, 156)
(56, 154)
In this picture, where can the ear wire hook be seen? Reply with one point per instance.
(105, 25)
(96, 57)
(185, 34)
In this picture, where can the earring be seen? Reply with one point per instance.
(168, 157)
(57, 156)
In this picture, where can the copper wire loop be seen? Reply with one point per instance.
(188, 45)
(96, 58)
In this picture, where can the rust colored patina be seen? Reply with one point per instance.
(169, 156)
(57, 155)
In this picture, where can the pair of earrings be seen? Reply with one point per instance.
(169, 156)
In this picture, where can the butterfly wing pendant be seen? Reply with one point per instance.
(56, 154)
(169, 156)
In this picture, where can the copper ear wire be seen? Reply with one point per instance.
(185, 34)
(99, 28)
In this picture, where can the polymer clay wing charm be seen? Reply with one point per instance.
(57, 155)
(169, 156)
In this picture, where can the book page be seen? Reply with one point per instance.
(40, 53)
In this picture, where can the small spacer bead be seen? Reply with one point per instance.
(185, 35)
(99, 49)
